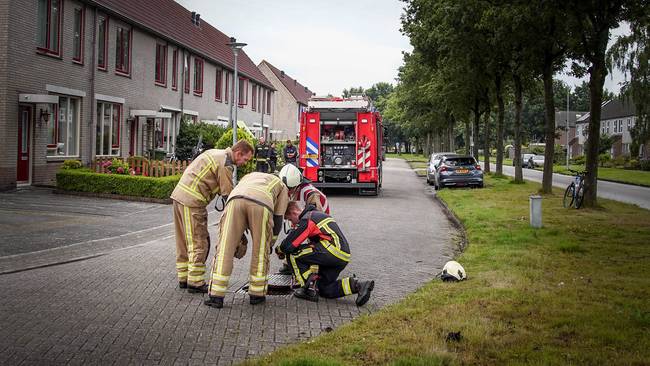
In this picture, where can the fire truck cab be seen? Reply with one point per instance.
(341, 144)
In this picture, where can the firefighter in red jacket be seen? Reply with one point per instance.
(318, 240)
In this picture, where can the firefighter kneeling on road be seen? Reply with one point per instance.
(257, 204)
(327, 248)
(208, 175)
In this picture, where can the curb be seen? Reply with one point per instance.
(166, 201)
(464, 242)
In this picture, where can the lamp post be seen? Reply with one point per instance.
(235, 47)
(566, 136)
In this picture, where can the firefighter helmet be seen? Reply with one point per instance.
(453, 271)
(290, 175)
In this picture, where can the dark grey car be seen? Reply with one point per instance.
(434, 160)
(458, 171)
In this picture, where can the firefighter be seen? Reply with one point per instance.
(290, 153)
(208, 175)
(258, 204)
(301, 189)
(273, 158)
(326, 247)
(262, 152)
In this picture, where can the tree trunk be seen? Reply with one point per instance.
(427, 148)
(597, 74)
(477, 123)
(500, 115)
(486, 145)
(468, 130)
(450, 132)
(519, 176)
(549, 136)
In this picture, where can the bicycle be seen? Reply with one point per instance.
(575, 192)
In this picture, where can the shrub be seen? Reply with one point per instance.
(604, 159)
(634, 164)
(226, 141)
(71, 164)
(621, 161)
(579, 160)
(188, 137)
(644, 164)
(116, 166)
(84, 180)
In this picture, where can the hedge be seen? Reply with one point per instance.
(83, 180)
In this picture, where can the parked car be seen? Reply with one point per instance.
(458, 171)
(535, 161)
(524, 160)
(434, 160)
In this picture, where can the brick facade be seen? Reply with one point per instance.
(23, 70)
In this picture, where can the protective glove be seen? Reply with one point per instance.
(240, 251)
(279, 253)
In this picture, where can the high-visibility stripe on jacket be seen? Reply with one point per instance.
(208, 175)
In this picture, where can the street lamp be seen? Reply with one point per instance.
(234, 94)
(566, 133)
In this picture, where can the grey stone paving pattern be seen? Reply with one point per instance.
(124, 308)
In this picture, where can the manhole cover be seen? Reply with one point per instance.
(279, 284)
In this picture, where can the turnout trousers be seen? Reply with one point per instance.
(192, 243)
(241, 214)
(328, 263)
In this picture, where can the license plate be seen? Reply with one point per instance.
(462, 171)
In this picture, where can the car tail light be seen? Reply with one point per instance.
(443, 169)
(478, 167)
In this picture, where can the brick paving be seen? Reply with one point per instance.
(124, 308)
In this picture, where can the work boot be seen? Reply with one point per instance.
(254, 299)
(364, 288)
(214, 302)
(182, 284)
(285, 270)
(203, 289)
(305, 293)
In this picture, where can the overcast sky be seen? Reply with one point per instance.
(326, 45)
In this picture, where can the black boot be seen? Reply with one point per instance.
(182, 284)
(254, 300)
(305, 293)
(285, 269)
(214, 302)
(203, 289)
(363, 289)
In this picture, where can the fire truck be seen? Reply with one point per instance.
(341, 144)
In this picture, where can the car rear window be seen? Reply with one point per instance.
(460, 161)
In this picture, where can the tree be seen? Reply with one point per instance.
(352, 91)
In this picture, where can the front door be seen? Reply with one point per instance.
(24, 118)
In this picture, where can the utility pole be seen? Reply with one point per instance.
(567, 127)
(235, 46)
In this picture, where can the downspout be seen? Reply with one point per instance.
(93, 105)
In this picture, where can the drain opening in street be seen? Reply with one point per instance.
(278, 285)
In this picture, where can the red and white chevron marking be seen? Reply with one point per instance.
(363, 154)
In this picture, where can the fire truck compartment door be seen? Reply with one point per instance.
(310, 145)
(366, 148)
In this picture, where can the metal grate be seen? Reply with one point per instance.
(279, 285)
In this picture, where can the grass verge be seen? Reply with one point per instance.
(409, 157)
(627, 176)
(574, 292)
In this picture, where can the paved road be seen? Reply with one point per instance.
(124, 307)
(615, 191)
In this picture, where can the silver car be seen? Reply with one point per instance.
(434, 160)
(458, 171)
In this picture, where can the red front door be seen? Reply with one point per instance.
(24, 118)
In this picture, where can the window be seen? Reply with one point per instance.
(628, 124)
(186, 73)
(109, 116)
(161, 65)
(102, 42)
(218, 86)
(254, 98)
(49, 26)
(123, 51)
(175, 70)
(198, 76)
(243, 92)
(263, 98)
(268, 102)
(227, 91)
(78, 42)
(63, 130)
(159, 133)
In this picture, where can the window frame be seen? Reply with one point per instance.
(268, 102)
(218, 81)
(198, 83)
(175, 69)
(82, 30)
(254, 98)
(48, 50)
(161, 65)
(126, 63)
(57, 126)
(111, 146)
(187, 68)
(104, 51)
(243, 91)
(227, 91)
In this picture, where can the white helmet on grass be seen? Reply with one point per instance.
(453, 271)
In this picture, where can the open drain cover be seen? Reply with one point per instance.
(278, 284)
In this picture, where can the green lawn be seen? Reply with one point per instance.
(574, 292)
(409, 157)
(638, 177)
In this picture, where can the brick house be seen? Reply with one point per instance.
(562, 132)
(81, 79)
(617, 119)
(291, 99)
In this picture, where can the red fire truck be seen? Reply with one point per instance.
(341, 144)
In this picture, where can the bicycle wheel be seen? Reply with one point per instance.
(580, 195)
(568, 196)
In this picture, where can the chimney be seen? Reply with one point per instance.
(198, 19)
(281, 73)
(295, 82)
(306, 90)
(193, 17)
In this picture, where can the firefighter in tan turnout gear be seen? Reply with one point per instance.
(208, 175)
(257, 203)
